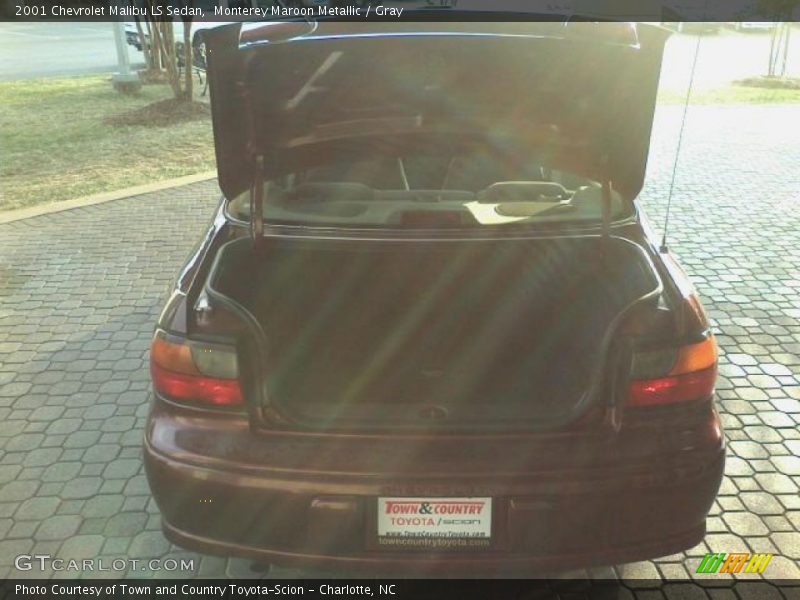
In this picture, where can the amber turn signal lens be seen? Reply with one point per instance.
(696, 357)
(172, 356)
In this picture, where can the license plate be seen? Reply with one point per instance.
(435, 522)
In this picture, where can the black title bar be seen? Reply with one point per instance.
(396, 10)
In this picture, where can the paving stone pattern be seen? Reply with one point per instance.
(80, 291)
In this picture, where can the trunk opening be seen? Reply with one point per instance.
(365, 334)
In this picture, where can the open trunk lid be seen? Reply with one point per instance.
(443, 331)
(293, 94)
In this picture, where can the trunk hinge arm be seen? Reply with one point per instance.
(606, 199)
(617, 387)
(606, 209)
(257, 193)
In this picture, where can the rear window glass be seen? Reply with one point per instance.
(431, 192)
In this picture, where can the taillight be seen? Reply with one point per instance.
(195, 372)
(671, 376)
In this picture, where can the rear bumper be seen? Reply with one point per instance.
(419, 564)
(323, 515)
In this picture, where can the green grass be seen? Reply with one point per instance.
(731, 94)
(55, 145)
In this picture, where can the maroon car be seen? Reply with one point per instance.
(429, 329)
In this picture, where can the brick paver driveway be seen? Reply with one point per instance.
(80, 291)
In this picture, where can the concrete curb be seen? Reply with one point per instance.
(45, 209)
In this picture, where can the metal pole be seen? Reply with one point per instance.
(123, 80)
(123, 60)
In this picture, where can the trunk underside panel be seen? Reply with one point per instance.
(399, 334)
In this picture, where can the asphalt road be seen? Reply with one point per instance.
(32, 50)
(722, 58)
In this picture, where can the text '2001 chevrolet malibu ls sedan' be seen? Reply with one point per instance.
(428, 329)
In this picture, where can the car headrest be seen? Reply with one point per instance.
(523, 191)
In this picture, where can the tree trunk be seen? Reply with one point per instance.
(143, 42)
(188, 60)
(155, 47)
(785, 57)
(163, 50)
(154, 62)
(772, 52)
(167, 48)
